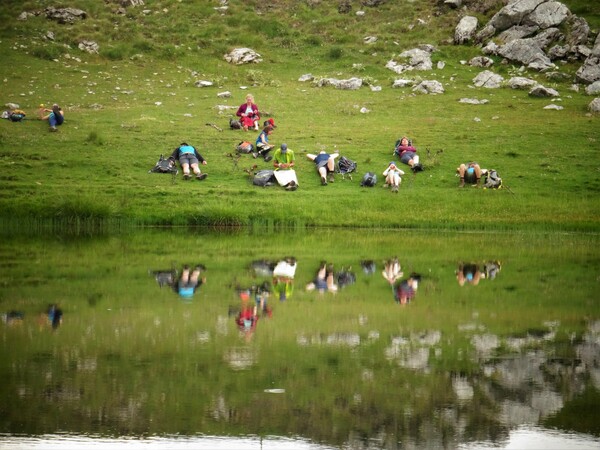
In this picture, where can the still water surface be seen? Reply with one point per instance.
(283, 339)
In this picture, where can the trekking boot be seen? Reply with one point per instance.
(292, 186)
(323, 181)
(186, 176)
(254, 155)
(201, 176)
(477, 183)
(331, 178)
(268, 158)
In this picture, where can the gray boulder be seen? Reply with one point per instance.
(488, 79)
(580, 31)
(543, 91)
(465, 29)
(521, 83)
(513, 14)
(64, 15)
(593, 89)
(242, 56)
(594, 105)
(517, 32)
(548, 14)
(429, 87)
(590, 70)
(481, 61)
(526, 51)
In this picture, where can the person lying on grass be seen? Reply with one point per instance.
(469, 173)
(189, 157)
(325, 165)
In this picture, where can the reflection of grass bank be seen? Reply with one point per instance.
(138, 360)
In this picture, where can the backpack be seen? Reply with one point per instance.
(264, 178)
(245, 147)
(492, 180)
(165, 165)
(16, 115)
(235, 124)
(369, 179)
(346, 166)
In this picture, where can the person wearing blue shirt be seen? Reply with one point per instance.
(189, 157)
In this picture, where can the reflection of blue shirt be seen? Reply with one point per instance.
(186, 292)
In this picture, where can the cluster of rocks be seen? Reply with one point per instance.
(242, 56)
(529, 32)
(60, 15)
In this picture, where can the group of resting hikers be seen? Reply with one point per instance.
(283, 159)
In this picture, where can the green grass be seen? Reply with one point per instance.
(95, 168)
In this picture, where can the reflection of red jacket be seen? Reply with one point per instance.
(247, 314)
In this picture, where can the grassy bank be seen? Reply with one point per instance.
(137, 99)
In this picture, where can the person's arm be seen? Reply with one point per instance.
(199, 156)
(240, 111)
(175, 155)
(386, 171)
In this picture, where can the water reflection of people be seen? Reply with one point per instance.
(392, 270)
(254, 304)
(405, 290)
(53, 316)
(472, 273)
(283, 278)
(324, 280)
(189, 281)
(12, 318)
(468, 273)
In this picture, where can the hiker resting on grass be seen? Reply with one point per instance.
(188, 157)
(469, 173)
(248, 114)
(325, 165)
(408, 154)
(55, 118)
(393, 176)
(283, 162)
(262, 144)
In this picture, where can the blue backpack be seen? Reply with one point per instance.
(369, 179)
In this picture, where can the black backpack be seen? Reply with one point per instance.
(264, 178)
(165, 165)
(369, 179)
(16, 115)
(346, 167)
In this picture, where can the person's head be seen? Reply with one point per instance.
(55, 108)
(392, 165)
(404, 140)
(270, 122)
(249, 98)
(183, 144)
(284, 148)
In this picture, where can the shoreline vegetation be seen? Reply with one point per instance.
(138, 98)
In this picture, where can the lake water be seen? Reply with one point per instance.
(292, 339)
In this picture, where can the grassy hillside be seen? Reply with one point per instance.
(137, 99)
